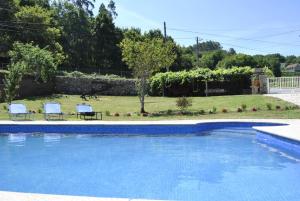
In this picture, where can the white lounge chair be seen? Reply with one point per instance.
(18, 110)
(86, 110)
(53, 110)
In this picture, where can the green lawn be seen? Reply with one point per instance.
(124, 105)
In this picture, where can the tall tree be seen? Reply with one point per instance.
(7, 27)
(211, 59)
(208, 46)
(105, 39)
(36, 24)
(41, 3)
(112, 9)
(86, 5)
(76, 37)
(239, 60)
(146, 57)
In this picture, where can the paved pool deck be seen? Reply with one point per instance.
(292, 98)
(290, 131)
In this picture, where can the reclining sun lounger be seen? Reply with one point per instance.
(53, 110)
(86, 110)
(18, 110)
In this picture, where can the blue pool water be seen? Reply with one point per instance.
(226, 164)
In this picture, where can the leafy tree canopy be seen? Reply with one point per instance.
(145, 57)
(28, 59)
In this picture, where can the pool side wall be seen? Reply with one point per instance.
(124, 129)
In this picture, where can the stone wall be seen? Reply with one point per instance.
(100, 86)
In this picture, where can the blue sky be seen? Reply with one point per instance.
(249, 26)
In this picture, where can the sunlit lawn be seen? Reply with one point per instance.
(125, 104)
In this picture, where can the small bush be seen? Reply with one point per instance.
(145, 114)
(244, 107)
(183, 103)
(278, 107)
(128, 114)
(40, 111)
(202, 112)
(269, 106)
(107, 113)
(116, 114)
(169, 112)
(287, 108)
(224, 110)
(254, 109)
(239, 110)
(213, 110)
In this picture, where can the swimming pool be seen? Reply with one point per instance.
(223, 162)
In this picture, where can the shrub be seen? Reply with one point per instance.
(213, 110)
(116, 114)
(224, 110)
(107, 113)
(183, 103)
(244, 107)
(254, 109)
(239, 110)
(287, 108)
(269, 106)
(202, 112)
(128, 114)
(145, 114)
(5, 107)
(169, 112)
(278, 107)
(40, 111)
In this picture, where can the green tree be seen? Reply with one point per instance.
(146, 57)
(7, 26)
(238, 60)
(231, 51)
(86, 5)
(211, 59)
(32, 60)
(38, 26)
(106, 47)
(76, 37)
(292, 59)
(112, 9)
(41, 3)
(208, 46)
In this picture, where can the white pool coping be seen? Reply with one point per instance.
(290, 131)
(14, 196)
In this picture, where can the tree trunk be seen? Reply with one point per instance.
(142, 94)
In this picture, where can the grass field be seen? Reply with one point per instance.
(158, 107)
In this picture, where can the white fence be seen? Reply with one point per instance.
(283, 85)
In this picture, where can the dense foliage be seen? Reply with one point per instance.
(146, 56)
(91, 43)
(160, 81)
(28, 59)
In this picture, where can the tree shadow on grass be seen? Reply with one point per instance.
(51, 97)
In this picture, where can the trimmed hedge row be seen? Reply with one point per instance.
(236, 80)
